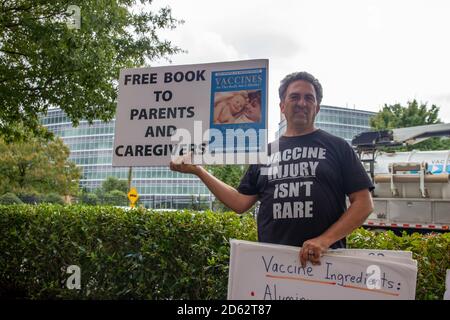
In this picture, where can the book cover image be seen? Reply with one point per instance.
(238, 101)
(237, 107)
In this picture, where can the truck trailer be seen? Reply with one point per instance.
(412, 189)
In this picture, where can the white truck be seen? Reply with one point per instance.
(412, 189)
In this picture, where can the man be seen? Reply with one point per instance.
(303, 187)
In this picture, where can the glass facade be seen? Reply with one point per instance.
(91, 148)
(341, 122)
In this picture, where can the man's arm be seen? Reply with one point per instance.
(232, 198)
(361, 206)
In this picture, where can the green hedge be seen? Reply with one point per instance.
(142, 254)
(122, 254)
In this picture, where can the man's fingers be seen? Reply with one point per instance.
(315, 258)
(308, 253)
(183, 167)
(176, 167)
(303, 257)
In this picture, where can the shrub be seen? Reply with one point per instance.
(9, 198)
(89, 199)
(141, 254)
(30, 197)
(115, 198)
(53, 198)
(136, 254)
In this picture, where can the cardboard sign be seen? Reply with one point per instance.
(393, 255)
(447, 286)
(272, 272)
(216, 113)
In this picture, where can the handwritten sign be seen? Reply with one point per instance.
(217, 112)
(392, 255)
(272, 272)
(447, 286)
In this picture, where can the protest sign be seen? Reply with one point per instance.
(216, 113)
(447, 286)
(273, 272)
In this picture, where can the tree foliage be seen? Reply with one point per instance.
(398, 116)
(113, 183)
(112, 192)
(89, 198)
(43, 63)
(37, 165)
(231, 175)
(414, 114)
(115, 198)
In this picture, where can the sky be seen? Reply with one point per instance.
(365, 53)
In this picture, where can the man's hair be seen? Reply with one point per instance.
(284, 84)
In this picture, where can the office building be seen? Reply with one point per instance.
(91, 148)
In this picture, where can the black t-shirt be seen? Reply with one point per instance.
(302, 189)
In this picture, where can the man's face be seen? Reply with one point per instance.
(299, 105)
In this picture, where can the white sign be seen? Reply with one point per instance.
(273, 272)
(447, 286)
(392, 255)
(217, 112)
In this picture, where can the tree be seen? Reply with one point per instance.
(113, 183)
(414, 114)
(231, 175)
(37, 165)
(44, 63)
(112, 192)
(89, 198)
(397, 116)
(115, 198)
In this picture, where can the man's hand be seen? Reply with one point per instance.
(313, 250)
(184, 168)
(184, 164)
(360, 207)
